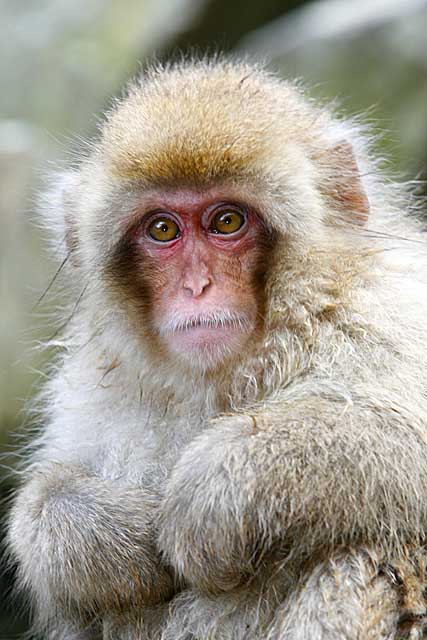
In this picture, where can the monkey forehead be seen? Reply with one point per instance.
(202, 122)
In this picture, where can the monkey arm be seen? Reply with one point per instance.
(304, 477)
(84, 544)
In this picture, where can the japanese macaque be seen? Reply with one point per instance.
(235, 441)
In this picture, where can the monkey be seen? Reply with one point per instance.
(235, 428)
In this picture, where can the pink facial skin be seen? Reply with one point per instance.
(204, 285)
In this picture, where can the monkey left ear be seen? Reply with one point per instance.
(347, 189)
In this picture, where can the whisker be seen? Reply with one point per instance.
(51, 283)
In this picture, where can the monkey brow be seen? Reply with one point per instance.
(192, 162)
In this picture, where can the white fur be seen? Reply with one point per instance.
(323, 419)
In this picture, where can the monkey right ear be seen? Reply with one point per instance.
(346, 187)
(59, 210)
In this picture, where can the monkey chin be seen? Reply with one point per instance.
(207, 349)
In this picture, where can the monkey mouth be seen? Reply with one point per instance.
(208, 339)
(217, 321)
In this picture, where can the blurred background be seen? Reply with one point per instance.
(62, 60)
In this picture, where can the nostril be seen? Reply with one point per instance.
(206, 286)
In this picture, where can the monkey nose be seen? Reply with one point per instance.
(197, 285)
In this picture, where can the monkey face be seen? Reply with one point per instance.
(196, 258)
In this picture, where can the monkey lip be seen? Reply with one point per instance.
(206, 345)
(205, 334)
(208, 324)
(214, 335)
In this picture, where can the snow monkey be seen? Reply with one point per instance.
(235, 440)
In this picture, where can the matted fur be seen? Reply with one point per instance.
(279, 485)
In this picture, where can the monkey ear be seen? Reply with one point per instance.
(347, 189)
(58, 208)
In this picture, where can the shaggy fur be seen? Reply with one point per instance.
(282, 496)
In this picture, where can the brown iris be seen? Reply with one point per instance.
(163, 229)
(228, 221)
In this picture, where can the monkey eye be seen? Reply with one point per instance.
(227, 221)
(163, 229)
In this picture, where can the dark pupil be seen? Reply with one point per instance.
(163, 226)
(227, 219)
